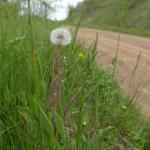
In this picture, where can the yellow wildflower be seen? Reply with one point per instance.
(81, 55)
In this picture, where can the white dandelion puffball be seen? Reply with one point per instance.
(60, 36)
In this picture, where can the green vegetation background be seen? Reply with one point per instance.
(107, 14)
(109, 125)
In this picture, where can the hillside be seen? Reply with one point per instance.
(109, 13)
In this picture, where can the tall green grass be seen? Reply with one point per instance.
(95, 120)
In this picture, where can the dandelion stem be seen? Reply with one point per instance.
(58, 76)
(53, 73)
(53, 90)
(54, 83)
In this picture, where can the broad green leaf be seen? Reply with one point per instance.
(59, 124)
(26, 110)
(33, 105)
(59, 110)
(43, 85)
(57, 147)
(51, 113)
(8, 94)
(47, 130)
(84, 138)
(24, 115)
(23, 98)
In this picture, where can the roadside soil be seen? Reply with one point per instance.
(129, 49)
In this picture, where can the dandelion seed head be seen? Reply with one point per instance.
(60, 36)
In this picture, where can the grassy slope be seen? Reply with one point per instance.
(115, 128)
(107, 15)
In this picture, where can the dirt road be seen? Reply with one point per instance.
(129, 49)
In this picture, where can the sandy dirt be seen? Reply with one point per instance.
(129, 49)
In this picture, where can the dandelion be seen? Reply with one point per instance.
(81, 55)
(60, 36)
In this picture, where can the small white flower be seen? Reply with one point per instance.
(60, 36)
(62, 80)
(64, 57)
(124, 107)
(84, 105)
(84, 124)
(66, 70)
(110, 66)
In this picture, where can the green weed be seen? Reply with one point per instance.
(95, 119)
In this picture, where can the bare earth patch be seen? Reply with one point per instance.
(129, 49)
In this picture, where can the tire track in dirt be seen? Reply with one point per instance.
(129, 49)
